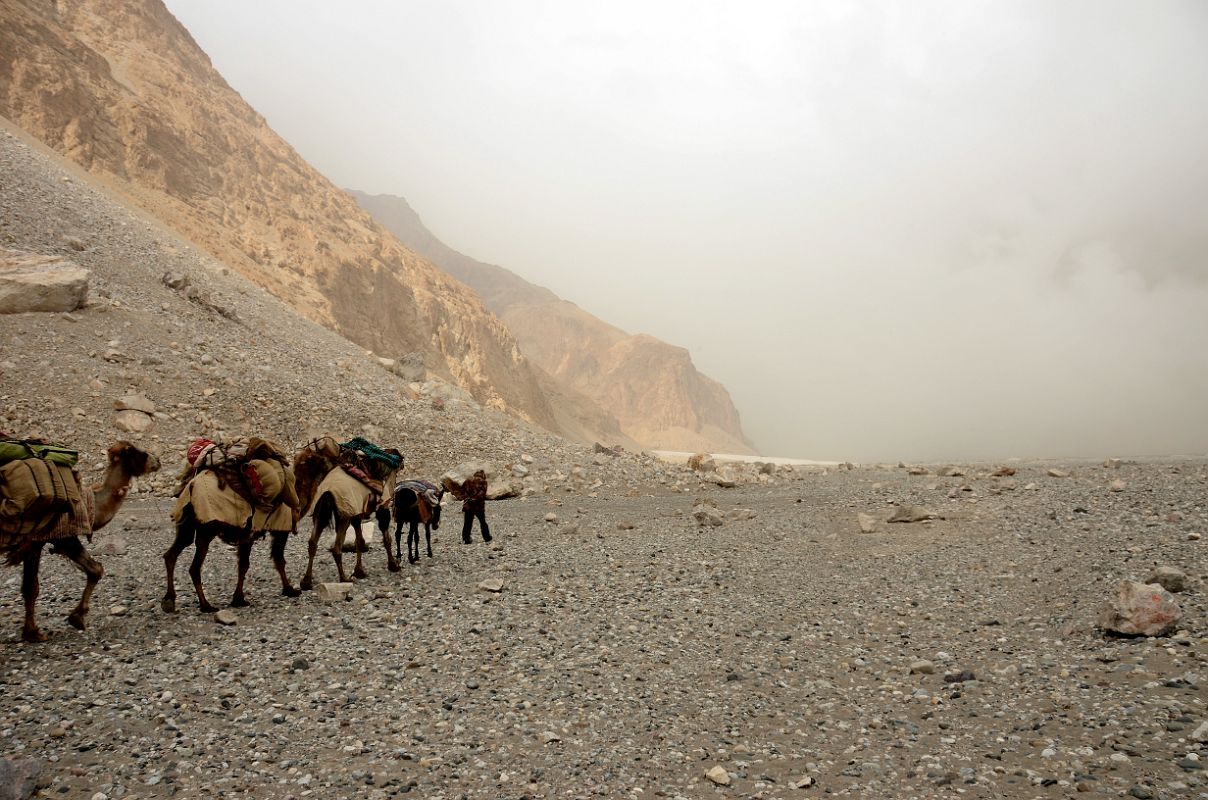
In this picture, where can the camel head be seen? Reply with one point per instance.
(131, 460)
(440, 495)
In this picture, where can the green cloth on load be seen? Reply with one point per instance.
(372, 451)
(19, 449)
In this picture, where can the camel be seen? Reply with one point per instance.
(340, 498)
(125, 462)
(220, 503)
(413, 504)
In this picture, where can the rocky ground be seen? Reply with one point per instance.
(631, 651)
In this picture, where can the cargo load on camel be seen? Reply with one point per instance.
(40, 494)
(238, 481)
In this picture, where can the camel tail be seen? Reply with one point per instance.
(325, 512)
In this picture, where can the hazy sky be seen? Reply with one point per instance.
(918, 230)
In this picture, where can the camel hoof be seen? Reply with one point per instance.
(168, 605)
(290, 591)
(239, 601)
(306, 585)
(394, 567)
(360, 574)
(412, 560)
(33, 635)
(206, 608)
(76, 620)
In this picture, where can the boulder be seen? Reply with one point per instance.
(707, 516)
(1058, 473)
(1169, 578)
(719, 776)
(133, 421)
(701, 462)
(19, 777)
(868, 523)
(134, 402)
(334, 592)
(493, 585)
(501, 483)
(1139, 609)
(909, 513)
(40, 283)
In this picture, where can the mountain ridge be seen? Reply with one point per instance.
(121, 88)
(651, 387)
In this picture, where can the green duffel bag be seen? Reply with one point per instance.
(18, 449)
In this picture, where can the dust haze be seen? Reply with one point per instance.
(945, 230)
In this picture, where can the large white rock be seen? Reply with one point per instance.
(40, 283)
(500, 482)
(133, 421)
(134, 402)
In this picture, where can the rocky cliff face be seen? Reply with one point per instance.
(121, 88)
(652, 388)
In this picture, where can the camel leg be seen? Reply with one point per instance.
(278, 553)
(337, 548)
(244, 557)
(201, 548)
(359, 572)
(30, 589)
(308, 580)
(427, 538)
(398, 541)
(73, 550)
(391, 561)
(184, 538)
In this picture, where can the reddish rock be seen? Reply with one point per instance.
(1140, 609)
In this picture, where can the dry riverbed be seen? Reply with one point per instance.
(634, 653)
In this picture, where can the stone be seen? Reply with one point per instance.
(867, 522)
(1003, 472)
(707, 516)
(494, 585)
(19, 777)
(111, 546)
(918, 471)
(912, 513)
(550, 736)
(1169, 578)
(701, 462)
(1139, 609)
(740, 514)
(922, 667)
(35, 283)
(1058, 473)
(135, 402)
(133, 421)
(719, 776)
(299, 663)
(1200, 734)
(551, 517)
(226, 617)
(334, 592)
(118, 611)
(1117, 485)
(500, 482)
(1111, 463)
(803, 782)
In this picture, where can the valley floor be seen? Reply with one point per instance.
(622, 661)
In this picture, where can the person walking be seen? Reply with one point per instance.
(475, 505)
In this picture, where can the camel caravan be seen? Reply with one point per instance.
(237, 492)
